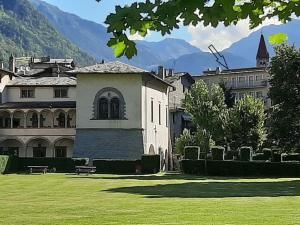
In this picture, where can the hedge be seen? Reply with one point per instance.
(291, 157)
(240, 168)
(116, 166)
(231, 154)
(191, 153)
(150, 163)
(8, 164)
(245, 153)
(218, 153)
(60, 164)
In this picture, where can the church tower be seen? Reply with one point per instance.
(262, 56)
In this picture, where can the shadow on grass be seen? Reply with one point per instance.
(215, 189)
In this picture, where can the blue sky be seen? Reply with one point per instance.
(198, 36)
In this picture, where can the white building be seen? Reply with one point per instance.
(110, 110)
(122, 112)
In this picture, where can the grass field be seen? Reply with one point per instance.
(156, 199)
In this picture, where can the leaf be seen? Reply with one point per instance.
(119, 48)
(277, 39)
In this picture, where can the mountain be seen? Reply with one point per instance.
(247, 47)
(24, 31)
(196, 63)
(92, 38)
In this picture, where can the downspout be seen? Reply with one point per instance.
(146, 115)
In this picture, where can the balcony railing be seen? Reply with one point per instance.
(253, 84)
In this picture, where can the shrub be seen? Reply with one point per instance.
(3, 163)
(115, 166)
(259, 156)
(186, 139)
(60, 164)
(191, 153)
(291, 157)
(267, 153)
(240, 168)
(245, 153)
(217, 152)
(231, 154)
(150, 163)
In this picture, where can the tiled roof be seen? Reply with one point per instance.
(30, 72)
(109, 68)
(43, 81)
(38, 105)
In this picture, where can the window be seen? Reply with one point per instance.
(39, 152)
(159, 114)
(115, 108)
(173, 118)
(167, 116)
(183, 88)
(103, 108)
(60, 92)
(27, 93)
(259, 94)
(61, 152)
(152, 119)
(109, 104)
(61, 120)
(241, 79)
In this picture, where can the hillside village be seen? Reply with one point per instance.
(110, 110)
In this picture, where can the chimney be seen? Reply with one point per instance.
(1, 64)
(171, 73)
(12, 64)
(161, 72)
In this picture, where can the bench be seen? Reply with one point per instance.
(85, 169)
(41, 169)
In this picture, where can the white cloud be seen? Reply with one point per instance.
(222, 37)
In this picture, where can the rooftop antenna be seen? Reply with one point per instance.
(219, 57)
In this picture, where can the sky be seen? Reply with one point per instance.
(198, 36)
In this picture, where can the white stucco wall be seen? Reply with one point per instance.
(155, 134)
(42, 94)
(88, 85)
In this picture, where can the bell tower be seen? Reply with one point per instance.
(262, 56)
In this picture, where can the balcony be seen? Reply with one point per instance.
(242, 85)
(37, 131)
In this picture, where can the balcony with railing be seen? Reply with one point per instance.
(247, 84)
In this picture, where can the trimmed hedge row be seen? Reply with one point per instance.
(8, 164)
(148, 164)
(218, 153)
(60, 164)
(240, 168)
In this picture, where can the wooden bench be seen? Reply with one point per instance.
(85, 169)
(41, 169)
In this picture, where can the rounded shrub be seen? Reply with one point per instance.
(218, 152)
(245, 153)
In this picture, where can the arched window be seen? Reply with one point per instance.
(115, 108)
(35, 120)
(109, 104)
(103, 108)
(61, 120)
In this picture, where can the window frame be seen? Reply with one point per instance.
(27, 91)
(60, 89)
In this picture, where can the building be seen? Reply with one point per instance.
(37, 110)
(122, 112)
(179, 119)
(252, 81)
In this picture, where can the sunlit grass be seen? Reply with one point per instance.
(161, 199)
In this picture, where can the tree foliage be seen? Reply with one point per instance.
(208, 110)
(165, 16)
(285, 96)
(246, 123)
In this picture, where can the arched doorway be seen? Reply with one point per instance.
(18, 119)
(32, 119)
(46, 119)
(5, 119)
(151, 150)
(63, 148)
(38, 148)
(11, 147)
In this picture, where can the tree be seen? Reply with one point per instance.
(246, 123)
(285, 96)
(208, 110)
(186, 139)
(229, 97)
(165, 16)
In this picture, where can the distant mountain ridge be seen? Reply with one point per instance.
(25, 32)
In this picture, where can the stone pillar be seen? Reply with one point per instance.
(25, 120)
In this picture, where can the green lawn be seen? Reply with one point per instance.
(160, 199)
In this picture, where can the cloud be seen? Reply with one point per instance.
(222, 37)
